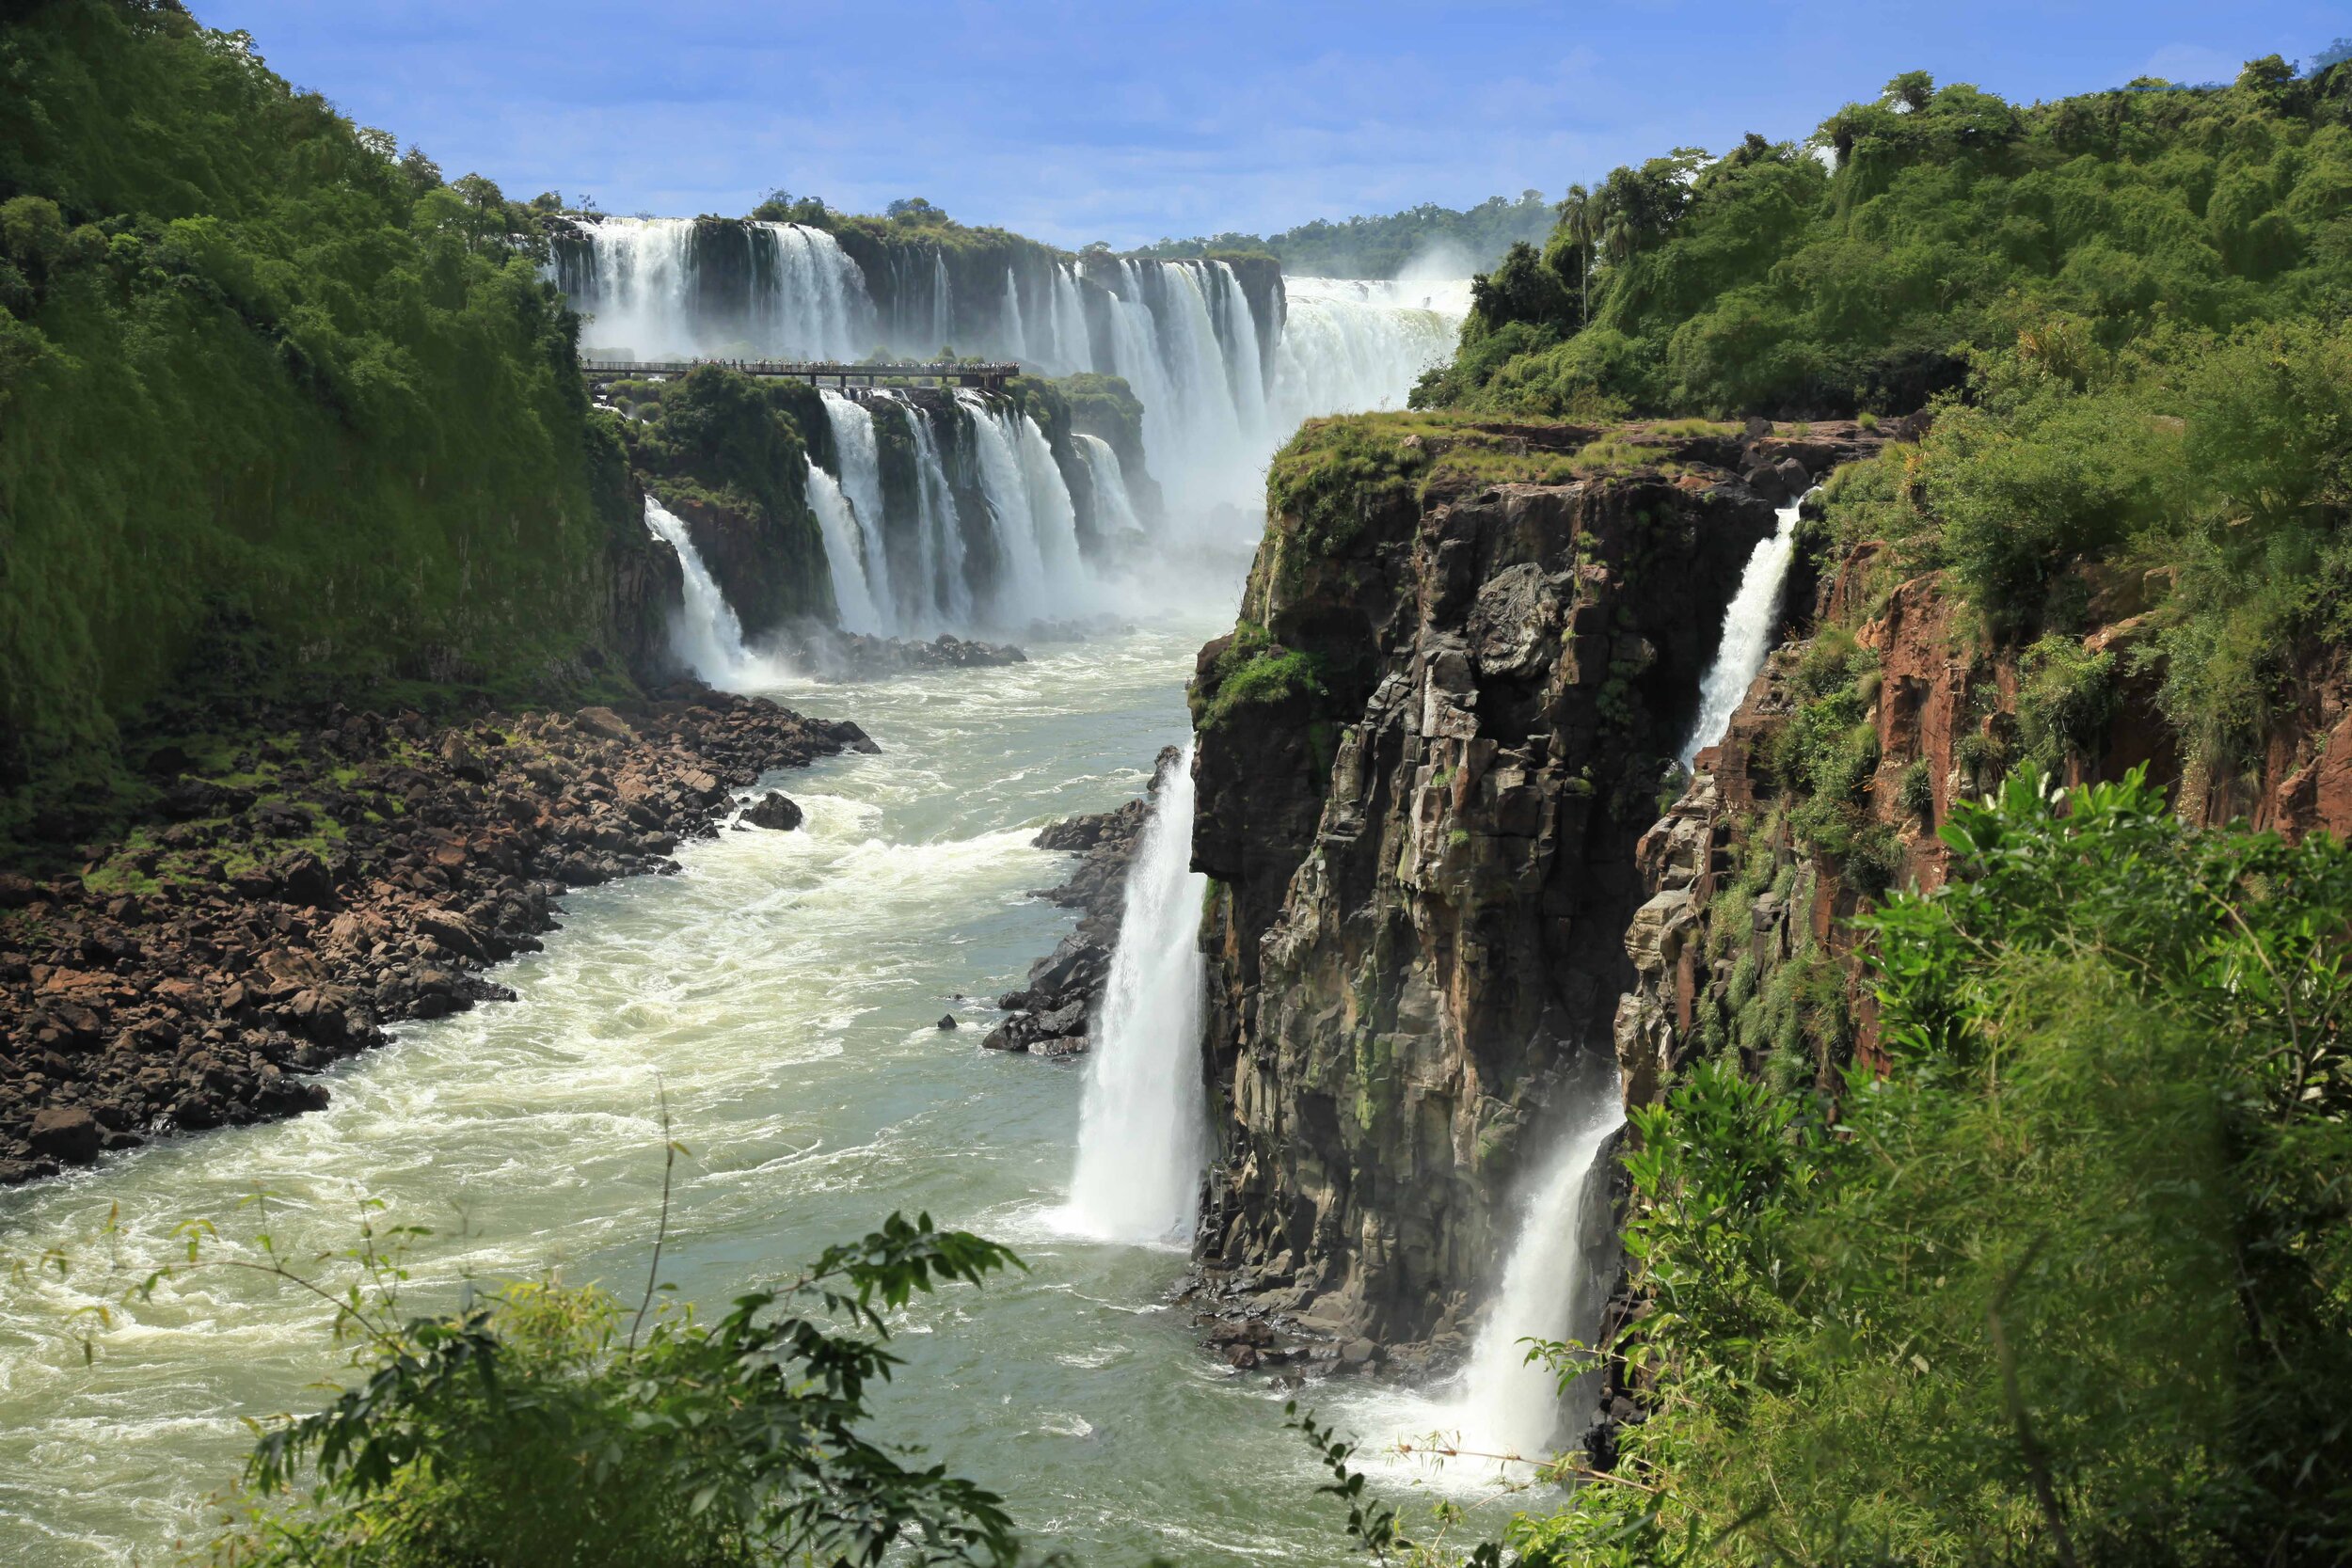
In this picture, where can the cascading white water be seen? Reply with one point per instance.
(1510, 1406)
(1748, 623)
(1073, 348)
(1114, 508)
(637, 282)
(1183, 334)
(943, 302)
(1349, 344)
(859, 455)
(941, 592)
(1237, 328)
(704, 632)
(1033, 520)
(1143, 1125)
(1016, 336)
(844, 555)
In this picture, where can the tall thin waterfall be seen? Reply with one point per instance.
(941, 592)
(1550, 1292)
(844, 555)
(1073, 345)
(1016, 336)
(1143, 1126)
(943, 302)
(860, 455)
(703, 633)
(1748, 624)
(1114, 508)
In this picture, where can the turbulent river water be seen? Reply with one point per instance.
(785, 989)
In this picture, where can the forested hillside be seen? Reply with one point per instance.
(1386, 246)
(262, 377)
(1859, 270)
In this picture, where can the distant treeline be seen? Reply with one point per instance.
(1384, 246)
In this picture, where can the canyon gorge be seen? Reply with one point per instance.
(1715, 843)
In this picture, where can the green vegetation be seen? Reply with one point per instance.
(550, 1424)
(1328, 477)
(2070, 1281)
(1385, 246)
(2075, 1276)
(258, 368)
(1252, 670)
(1763, 282)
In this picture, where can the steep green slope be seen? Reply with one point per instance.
(1763, 282)
(255, 369)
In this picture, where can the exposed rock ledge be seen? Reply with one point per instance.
(1054, 1014)
(363, 871)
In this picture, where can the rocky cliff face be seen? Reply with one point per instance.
(1741, 937)
(1424, 760)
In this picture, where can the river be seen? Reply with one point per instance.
(785, 989)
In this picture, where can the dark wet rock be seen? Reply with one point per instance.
(66, 1133)
(773, 810)
(841, 656)
(947, 1020)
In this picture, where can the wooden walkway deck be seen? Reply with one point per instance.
(990, 376)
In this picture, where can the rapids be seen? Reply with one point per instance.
(785, 989)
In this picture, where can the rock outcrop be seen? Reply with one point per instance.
(360, 870)
(1053, 1013)
(1424, 761)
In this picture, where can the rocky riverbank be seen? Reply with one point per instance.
(343, 872)
(1052, 1015)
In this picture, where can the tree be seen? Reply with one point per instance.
(546, 1424)
(1913, 90)
(2268, 75)
(1580, 219)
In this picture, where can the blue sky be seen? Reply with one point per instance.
(1126, 122)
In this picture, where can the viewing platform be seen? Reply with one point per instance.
(987, 376)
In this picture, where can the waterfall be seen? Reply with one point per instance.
(943, 304)
(844, 555)
(1349, 344)
(859, 455)
(1220, 388)
(1237, 330)
(1143, 1125)
(1016, 338)
(1032, 517)
(1747, 638)
(1115, 510)
(1509, 1405)
(704, 632)
(1073, 346)
(670, 288)
(940, 591)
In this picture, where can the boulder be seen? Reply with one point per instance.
(947, 1020)
(773, 810)
(302, 878)
(67, 1132)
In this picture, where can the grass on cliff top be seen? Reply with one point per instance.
(1330, 474)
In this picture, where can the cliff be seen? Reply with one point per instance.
(1466, 652)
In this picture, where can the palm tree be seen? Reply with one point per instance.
(1580, 216)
